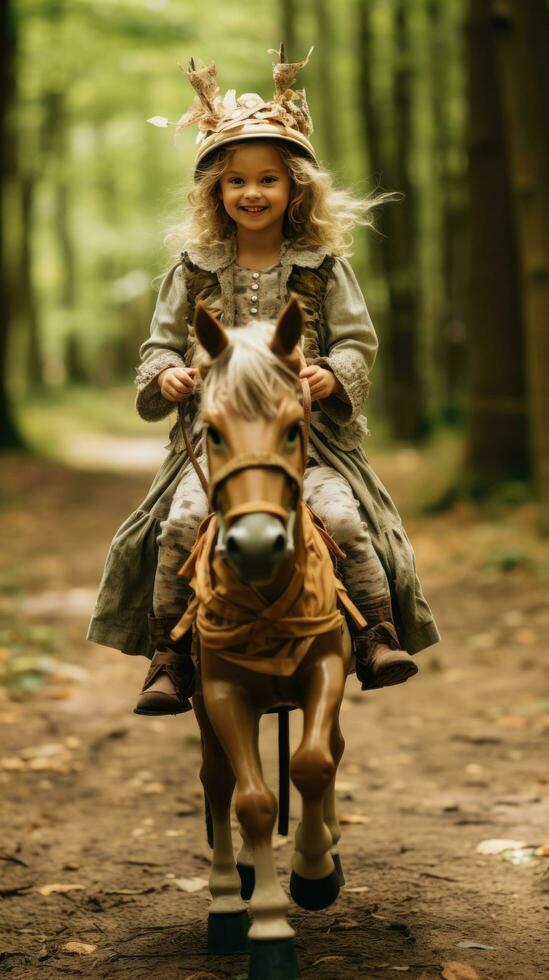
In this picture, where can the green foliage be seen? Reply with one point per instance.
(27, 658)
(84, 137)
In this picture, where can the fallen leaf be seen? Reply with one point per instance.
(471, 944)
(495, 845)
(45, 751)
(543, 851)
(59, 889)
(518, 722)
(130, 891)
(12, 763)
(358, 889)
(328, 959)
(83, 949)
(201, 975)
(190, 884)
(474, 769)
(348, 818)
(453, 970)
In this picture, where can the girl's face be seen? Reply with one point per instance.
(255, 187)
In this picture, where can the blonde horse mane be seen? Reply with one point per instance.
(247, 376)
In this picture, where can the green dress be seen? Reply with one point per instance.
(339, 335)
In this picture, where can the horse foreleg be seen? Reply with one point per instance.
(314, 883)
(228, 919)
(236, 723)
(337, 745)
(245, 867)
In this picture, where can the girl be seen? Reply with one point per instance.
(264, 221)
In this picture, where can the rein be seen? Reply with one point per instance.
(248, 460)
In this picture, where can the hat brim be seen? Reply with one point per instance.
(258, 131)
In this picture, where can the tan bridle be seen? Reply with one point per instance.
(255, 460)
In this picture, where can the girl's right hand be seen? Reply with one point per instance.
(176, 383)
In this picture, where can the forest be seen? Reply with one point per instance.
(442, 792)
(440, 101)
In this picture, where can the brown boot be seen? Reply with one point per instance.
(170, 681)
(379, 660)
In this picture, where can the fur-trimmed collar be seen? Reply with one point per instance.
(214, 258)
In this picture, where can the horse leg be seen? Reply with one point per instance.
(314, 883)
(227, 920)
(245, 867)
(236, 723)
(337, 745)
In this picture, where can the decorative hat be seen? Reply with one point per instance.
(230, 119)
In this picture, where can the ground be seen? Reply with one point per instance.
(108, 804)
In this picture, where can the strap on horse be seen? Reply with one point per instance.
(189, 448)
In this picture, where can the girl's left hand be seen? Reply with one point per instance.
(322, 382)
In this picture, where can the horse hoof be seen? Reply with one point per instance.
(314, 894)
(247, 880)
(273, 959)
(228, 932)
(339, 869)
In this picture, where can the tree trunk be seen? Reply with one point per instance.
(9, 434)
(521, 33)
(390, 162)
(497, 445)
(28, 309)
(446, 56)
(288, 28)
(324, 63)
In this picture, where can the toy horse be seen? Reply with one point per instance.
(268, 611)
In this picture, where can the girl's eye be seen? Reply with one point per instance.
(215, 436)
(292, 434)
(270, 180)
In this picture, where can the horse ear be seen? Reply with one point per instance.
(289, 328)
(209, 331)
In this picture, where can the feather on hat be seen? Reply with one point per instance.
(230, 119)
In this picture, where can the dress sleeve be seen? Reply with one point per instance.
(165, 347)
(350, 344)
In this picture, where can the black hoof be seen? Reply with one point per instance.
(247, 880)
(228, 932)
(273, 959)
(314, 894)
(339, 869)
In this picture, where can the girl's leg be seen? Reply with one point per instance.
(170, 679)
(379, 660)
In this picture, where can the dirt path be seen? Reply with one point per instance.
(96, 798)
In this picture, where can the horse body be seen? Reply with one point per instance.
(256, 463)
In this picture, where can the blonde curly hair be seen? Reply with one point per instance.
(317, 214)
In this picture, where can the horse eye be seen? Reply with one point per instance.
(293, 433)
(215, 436)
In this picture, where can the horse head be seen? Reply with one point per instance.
(256, 444)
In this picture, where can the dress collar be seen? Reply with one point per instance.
(215, 258)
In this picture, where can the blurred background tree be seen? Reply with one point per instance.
(442, 101)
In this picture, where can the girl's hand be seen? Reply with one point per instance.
(176, 383)
(322, 382)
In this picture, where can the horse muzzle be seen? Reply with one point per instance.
(256, 544)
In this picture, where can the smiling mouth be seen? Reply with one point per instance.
(253, 210)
